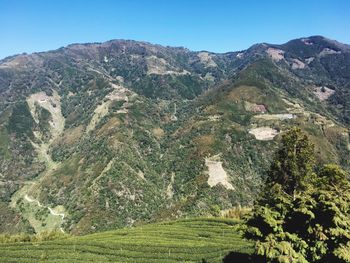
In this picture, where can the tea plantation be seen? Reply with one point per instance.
(188, 240)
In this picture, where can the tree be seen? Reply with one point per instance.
(321, 217)
(294, 162)
(301, 216)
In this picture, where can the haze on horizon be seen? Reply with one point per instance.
(217, 26)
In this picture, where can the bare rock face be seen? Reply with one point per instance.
(323, 93)
(275, 54)
(328, 51)
(297, 64)
(207, 59)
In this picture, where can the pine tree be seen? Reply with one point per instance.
(294, 162)
(289, 174)
(321, 217)
(301, 216)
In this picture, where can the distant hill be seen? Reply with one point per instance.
(104, 135)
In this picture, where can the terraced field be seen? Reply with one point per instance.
(190, 240)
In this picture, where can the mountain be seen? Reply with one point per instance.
(104, 135)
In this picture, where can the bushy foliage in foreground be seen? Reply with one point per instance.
(302, 216)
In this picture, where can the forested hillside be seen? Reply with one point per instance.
(104, 135)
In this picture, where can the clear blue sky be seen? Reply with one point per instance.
(220, 26)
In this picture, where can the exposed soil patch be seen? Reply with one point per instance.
(170, 190)
(217, 174)
(297, 64)
(309, 60)
(328, 51)
(275, 54)
(323, 93)
(264, 133)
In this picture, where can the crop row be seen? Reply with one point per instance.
(92, 253)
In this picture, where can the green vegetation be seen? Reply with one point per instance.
(188, 240)
(21, 122)
(140, 121)
(44, 117)
(301, 216)
(12, 222)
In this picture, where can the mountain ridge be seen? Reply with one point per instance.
(116, 40)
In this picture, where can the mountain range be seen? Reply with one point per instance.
(104, 135)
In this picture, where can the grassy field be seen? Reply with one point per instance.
(188, 240)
